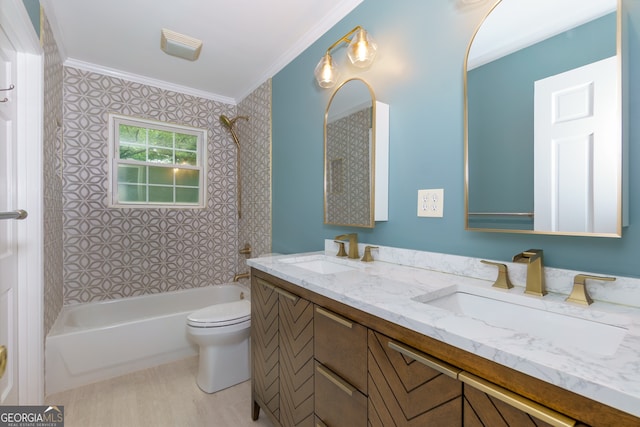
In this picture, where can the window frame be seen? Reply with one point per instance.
(115, 120)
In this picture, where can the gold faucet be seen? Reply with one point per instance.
(535, 271)
(579, 293)
(353, 244)
(237, 277)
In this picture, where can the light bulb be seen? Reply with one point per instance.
(362, 49)
(326, 72)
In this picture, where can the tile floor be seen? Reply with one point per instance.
(163, 396)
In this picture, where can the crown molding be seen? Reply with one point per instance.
(112, 72)
(314, 33)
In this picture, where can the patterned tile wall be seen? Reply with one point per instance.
(348, 199)
(255, 172)
(114, 253)
(52, 177)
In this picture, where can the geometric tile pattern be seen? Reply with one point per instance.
(348, 157)
(255, 171)
(52, 178)
(121, 252)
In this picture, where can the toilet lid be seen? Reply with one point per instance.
(228, 313)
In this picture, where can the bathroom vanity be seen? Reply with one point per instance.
(342, 342)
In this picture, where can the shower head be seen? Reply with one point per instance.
(227, 122)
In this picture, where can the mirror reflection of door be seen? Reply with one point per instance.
(576, 150)
(519, 43)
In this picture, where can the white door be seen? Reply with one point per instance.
(21, 242)
(8, 227)
(577, 150)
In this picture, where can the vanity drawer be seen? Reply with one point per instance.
(337, 403)
(341, 345)
(488, 404)
(408, 387)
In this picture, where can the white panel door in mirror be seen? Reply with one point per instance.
(576, 155)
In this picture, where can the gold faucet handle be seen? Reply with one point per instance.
(579, 294)
(341, 251)
(367, 257)
(502, 281)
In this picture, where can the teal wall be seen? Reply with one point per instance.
(33, 9)
(501, 99)
(418, 72)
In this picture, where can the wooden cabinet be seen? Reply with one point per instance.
(480, 409)
(282, 355)
(409, 388)
(486, 404)
(341, 370)
(367, 371)
(337, 402)
(265, 350)
(341, 345)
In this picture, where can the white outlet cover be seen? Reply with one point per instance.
(431, 203)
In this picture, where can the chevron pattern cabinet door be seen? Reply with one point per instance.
(265, 349)
(296, 362)
(482, 410)
(404, 392)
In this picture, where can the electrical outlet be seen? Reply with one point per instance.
(431, 202)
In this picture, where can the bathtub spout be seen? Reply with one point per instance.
(240, 276)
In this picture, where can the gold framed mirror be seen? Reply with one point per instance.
(543, 119)
(356, 146)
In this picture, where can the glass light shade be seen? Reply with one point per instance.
(326, 72)
(362, 49)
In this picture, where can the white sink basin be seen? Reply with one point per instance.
(318, 264)
(564, 331)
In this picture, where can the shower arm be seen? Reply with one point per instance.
(229, 123)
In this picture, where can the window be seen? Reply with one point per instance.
(156, 164)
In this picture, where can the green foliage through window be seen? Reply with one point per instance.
(157, 164)
(157, 146)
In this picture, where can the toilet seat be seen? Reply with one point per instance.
(218, 315)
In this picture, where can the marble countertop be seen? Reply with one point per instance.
(393, 286)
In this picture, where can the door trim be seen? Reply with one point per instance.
(29, 95)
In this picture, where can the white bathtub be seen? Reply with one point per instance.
(95, 341)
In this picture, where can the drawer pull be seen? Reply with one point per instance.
(266, 284)
(530, 407)
(341, 384)
(426, 360)
(288, 295)
(282, 292)
(341, 320)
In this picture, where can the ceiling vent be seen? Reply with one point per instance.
(179, 45)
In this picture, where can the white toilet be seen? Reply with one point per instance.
(222, 332)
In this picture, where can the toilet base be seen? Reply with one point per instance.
(224, 365)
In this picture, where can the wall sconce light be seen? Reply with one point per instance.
(361, 52)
